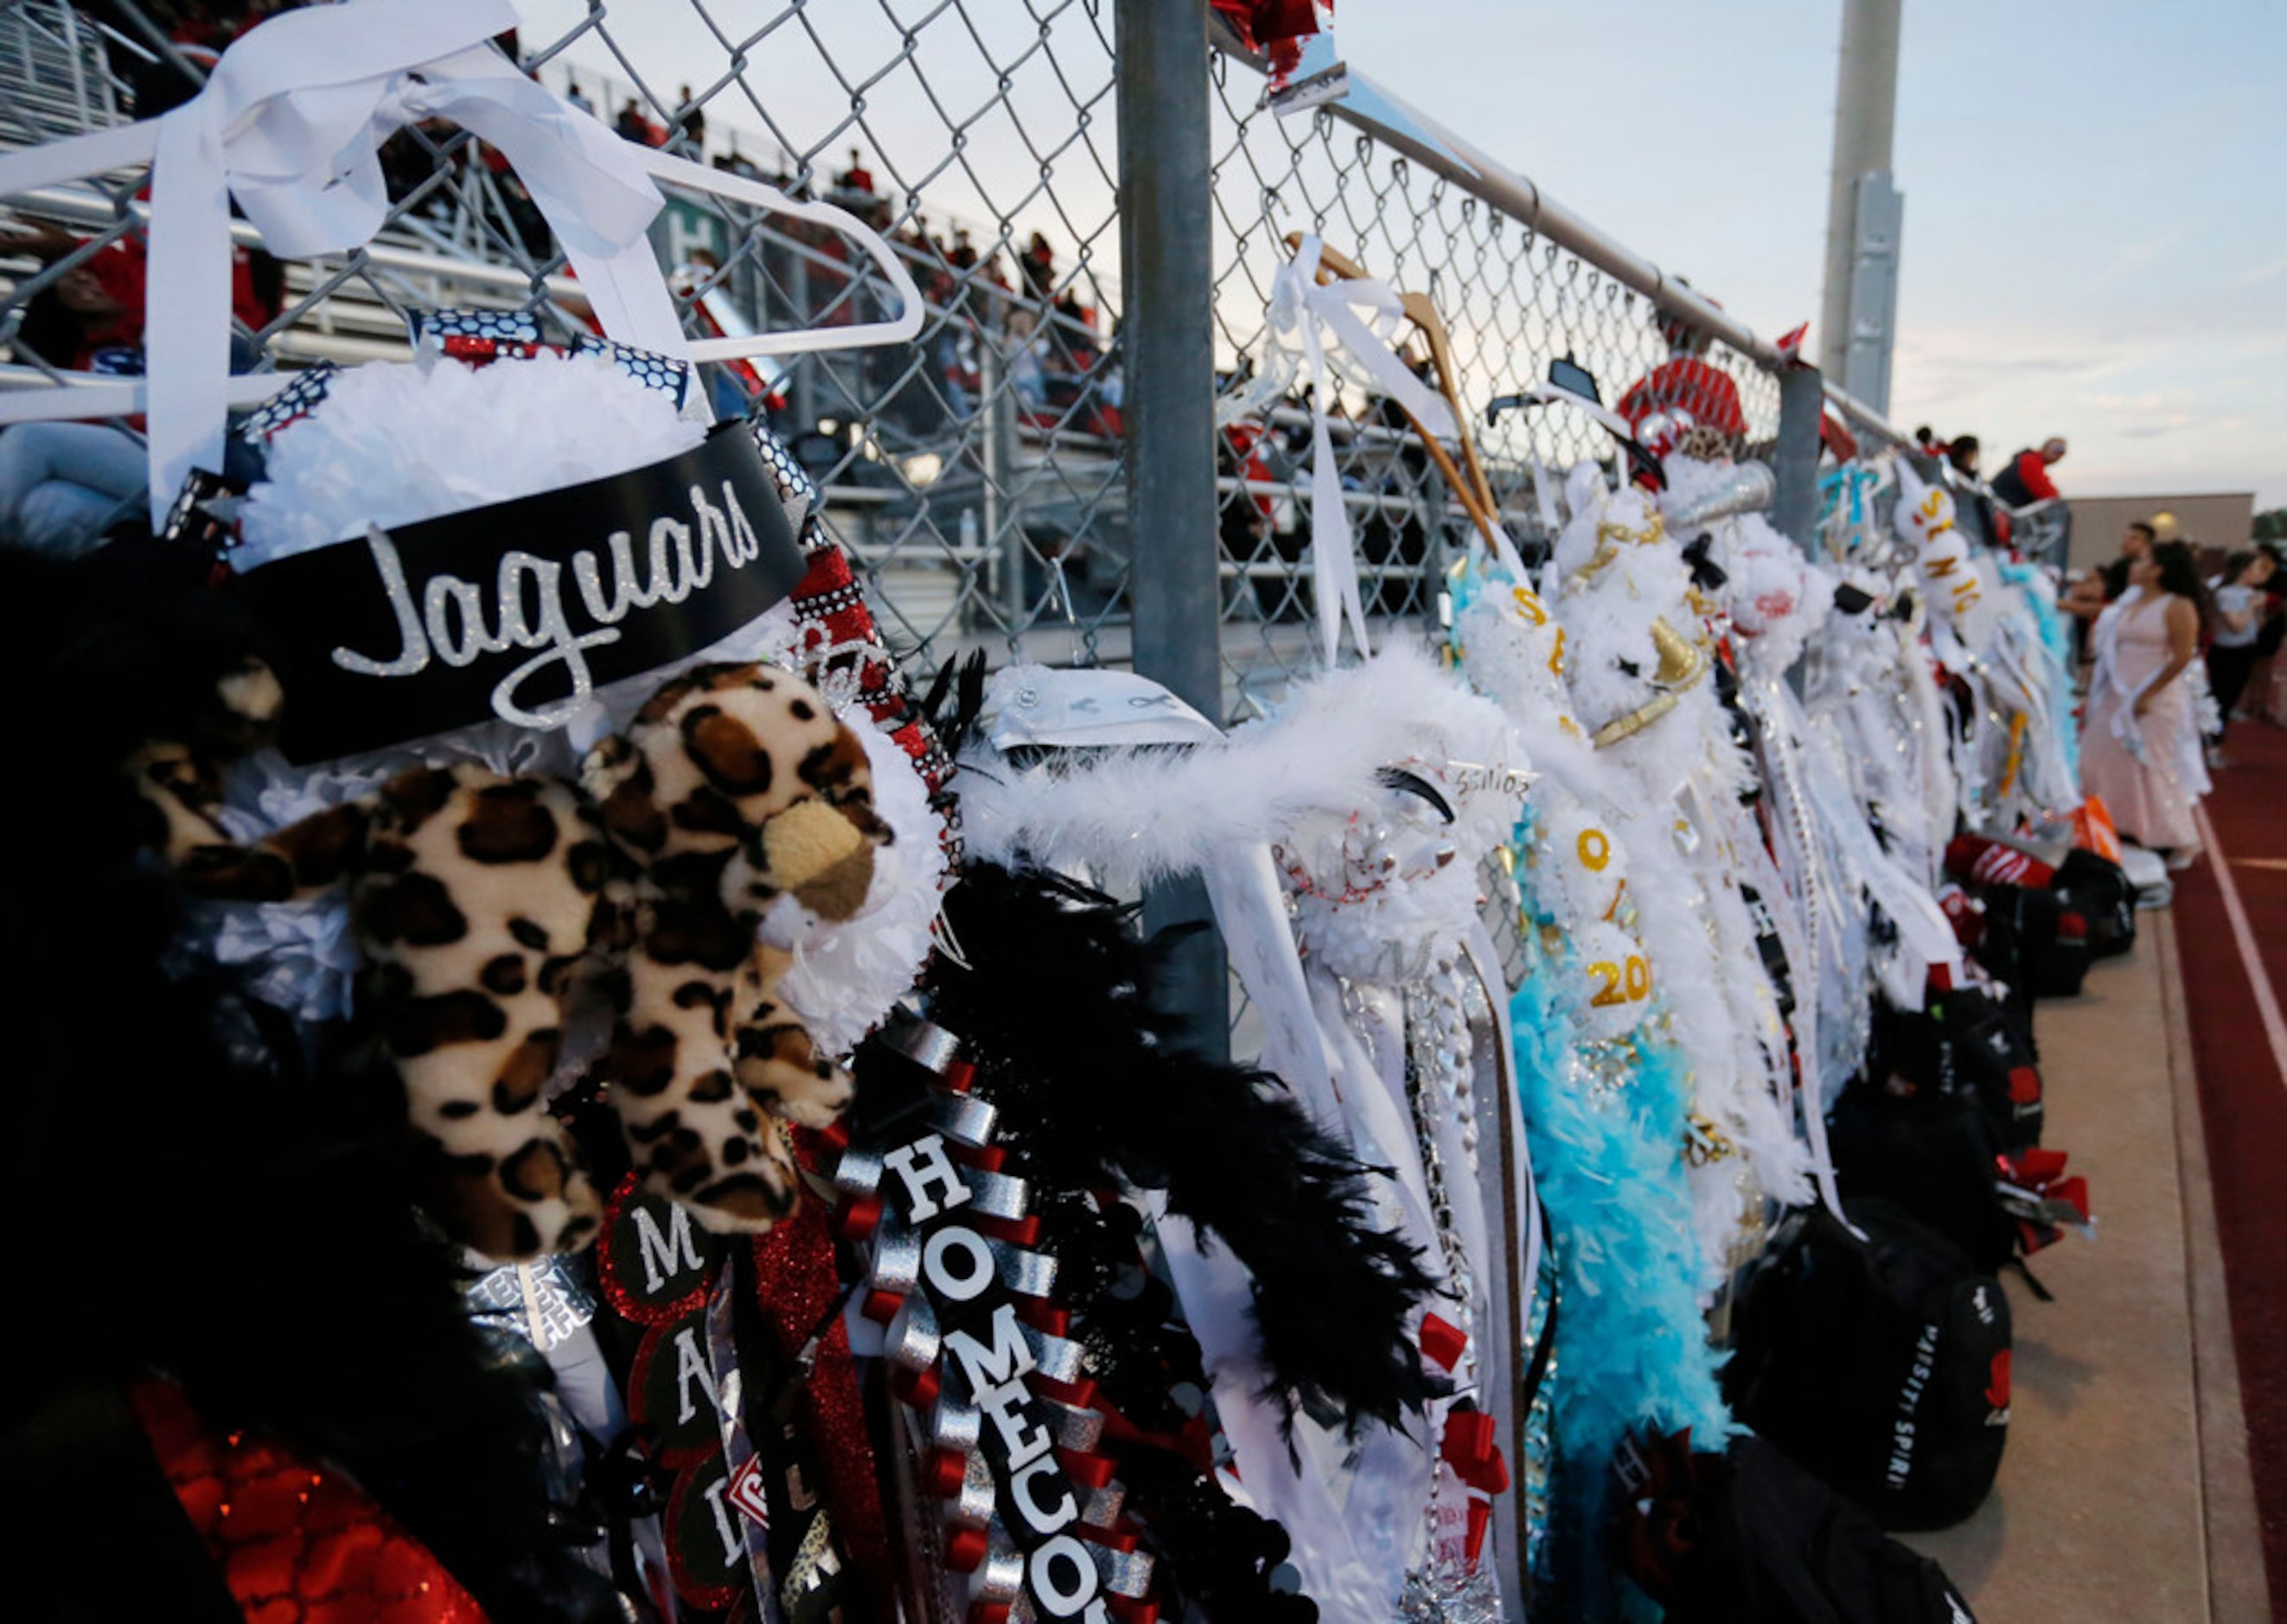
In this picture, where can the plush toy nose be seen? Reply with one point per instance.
(814, 852)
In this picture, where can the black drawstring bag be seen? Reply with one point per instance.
(1881, 1365)
(1931, 1154)
(2097, 889)
(1751, 1538)
(2034, 940)
(1968, 1040)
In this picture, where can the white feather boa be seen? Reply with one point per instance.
(1128, 819)
(1694, 843)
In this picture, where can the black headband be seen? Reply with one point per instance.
(518, 609)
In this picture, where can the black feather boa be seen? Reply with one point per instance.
(189, 1193)
(1091, 1083)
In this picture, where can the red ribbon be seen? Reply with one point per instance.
(1470, 1449)
(1442, 1343)
(796, 1284)
(2042, 1172)
(1276, 28)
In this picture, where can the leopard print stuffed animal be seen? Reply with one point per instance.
(482, 903)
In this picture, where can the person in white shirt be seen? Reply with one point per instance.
(2239, 602)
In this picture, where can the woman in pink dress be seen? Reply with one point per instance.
(2141, 748)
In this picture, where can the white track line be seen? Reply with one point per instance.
(2267, 1002)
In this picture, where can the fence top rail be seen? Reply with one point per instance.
(1866, 417)
(1369, 108)
(1375, 111)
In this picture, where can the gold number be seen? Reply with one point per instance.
(1629, 985)
(1595, 849)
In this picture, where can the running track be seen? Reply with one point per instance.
(2239, 1045)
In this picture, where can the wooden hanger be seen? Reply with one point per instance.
(1474, 491)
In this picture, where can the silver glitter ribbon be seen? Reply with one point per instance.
(544, 1302)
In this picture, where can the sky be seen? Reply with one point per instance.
(2095, 239)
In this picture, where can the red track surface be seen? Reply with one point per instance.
(2243, 1094)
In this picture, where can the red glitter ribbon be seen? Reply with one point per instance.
(796, 1285)
(296, 1545)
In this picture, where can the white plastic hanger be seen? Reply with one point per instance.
(290, 124)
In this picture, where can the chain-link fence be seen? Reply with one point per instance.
(979, 472)
(1511, 301)
(975, 472)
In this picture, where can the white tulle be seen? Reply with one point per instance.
(395, 442)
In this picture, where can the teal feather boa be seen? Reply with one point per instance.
(1632, 1347)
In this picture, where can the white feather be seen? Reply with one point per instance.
(1133, 818)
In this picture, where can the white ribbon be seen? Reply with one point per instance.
(1300, 307)
(290, 123)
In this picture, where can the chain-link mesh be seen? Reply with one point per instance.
(1511, 303)
(975, 474)
(978, 472)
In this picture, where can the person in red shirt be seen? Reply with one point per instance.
(92, 319)
(2026, 480)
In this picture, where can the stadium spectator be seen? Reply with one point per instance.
(1027, 377)
(64, 484)
(2136, 541)
(1037, 267)
(634, 125)
(92, 318)
(694, 123)
(2026, 480)
(2140, 749)
(2240, 603)
(856, 177)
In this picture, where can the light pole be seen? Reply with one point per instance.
(1863, 209)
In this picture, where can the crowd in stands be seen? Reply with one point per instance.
(1001, 307)
(1045, 340)
(1994, 510)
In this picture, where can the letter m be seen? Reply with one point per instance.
(1005, 1360)
(665, 1256)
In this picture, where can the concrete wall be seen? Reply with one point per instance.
(2212, 521)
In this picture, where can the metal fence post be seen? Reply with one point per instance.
(1802, 405)
(1167, 296)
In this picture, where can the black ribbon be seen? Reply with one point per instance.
(1707, 574)
(625, 1486)
(516, 609)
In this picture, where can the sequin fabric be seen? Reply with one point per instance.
(296, 1544)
